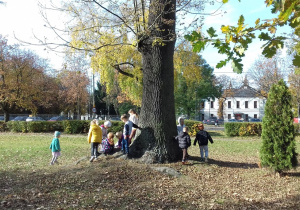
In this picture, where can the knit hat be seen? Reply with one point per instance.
(56, 133)
(107, 124)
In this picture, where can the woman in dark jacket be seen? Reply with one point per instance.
(184, 142)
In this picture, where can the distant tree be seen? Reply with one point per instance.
(73, 92)
(265, 72)
(23, 81)
(194, 81)
(226, 82)
(99, 94)
(278, 149)
(294, 82)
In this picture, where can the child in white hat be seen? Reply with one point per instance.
(55, 147)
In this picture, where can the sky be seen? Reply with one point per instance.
(22, 19)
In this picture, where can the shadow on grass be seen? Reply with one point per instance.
(212, 133)
(295, 174)
(226, 164)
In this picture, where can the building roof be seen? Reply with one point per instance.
(244, 91)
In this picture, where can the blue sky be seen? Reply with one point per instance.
(22, 18)
(251, 10)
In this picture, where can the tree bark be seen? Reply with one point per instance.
(157, 118)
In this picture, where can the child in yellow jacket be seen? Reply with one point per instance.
(95, 138)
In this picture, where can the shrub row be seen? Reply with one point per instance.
(242, 129)
(82, 126)
(66, 126)
(247, 129)
(70, 126)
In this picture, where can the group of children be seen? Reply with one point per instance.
(98, 135)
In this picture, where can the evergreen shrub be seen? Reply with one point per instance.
(278, 149)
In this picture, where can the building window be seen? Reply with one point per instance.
(255, 104)
(246, 104)
(237, 104)
(202, 105)
(229, 104)
(255, 116)
(229, 116)
(211, 104)
(211, 115)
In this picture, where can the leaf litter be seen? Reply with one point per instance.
(110, 183)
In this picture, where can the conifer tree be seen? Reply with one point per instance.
(278, 136)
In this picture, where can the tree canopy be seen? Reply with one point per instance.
(24, 83)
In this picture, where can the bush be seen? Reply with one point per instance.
(250, 129)
(76, 126)
(3, 126)
(17, 126)
(36, 126)
(278, 149)
(116, 126)
(232, 128)
(193, 126)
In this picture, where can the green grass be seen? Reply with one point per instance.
(31, 151)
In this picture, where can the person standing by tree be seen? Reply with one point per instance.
(55, 147)
(184, 142)
(127, 131)
(202, 138)
(95, 138)
(135, 120)
(180, 125)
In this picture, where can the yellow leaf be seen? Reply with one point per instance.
(257, 21)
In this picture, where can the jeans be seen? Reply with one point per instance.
(94, 149)
(125, 146)
(204, 148)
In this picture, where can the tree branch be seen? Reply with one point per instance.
(131, 29)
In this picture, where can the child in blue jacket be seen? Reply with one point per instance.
(55, 147)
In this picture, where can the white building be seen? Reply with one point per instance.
(243, 103)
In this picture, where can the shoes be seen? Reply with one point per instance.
(92, 158)
(206, 160)
(187, 157)
(182, 162)
(51, 164)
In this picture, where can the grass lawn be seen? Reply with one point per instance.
(231, 179)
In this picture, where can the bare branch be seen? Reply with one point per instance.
(114, 15)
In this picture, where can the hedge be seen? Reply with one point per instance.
(242, 129)
(82, 126)
(71, 126)
(66, 126)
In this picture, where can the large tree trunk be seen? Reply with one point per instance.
(157, 118)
